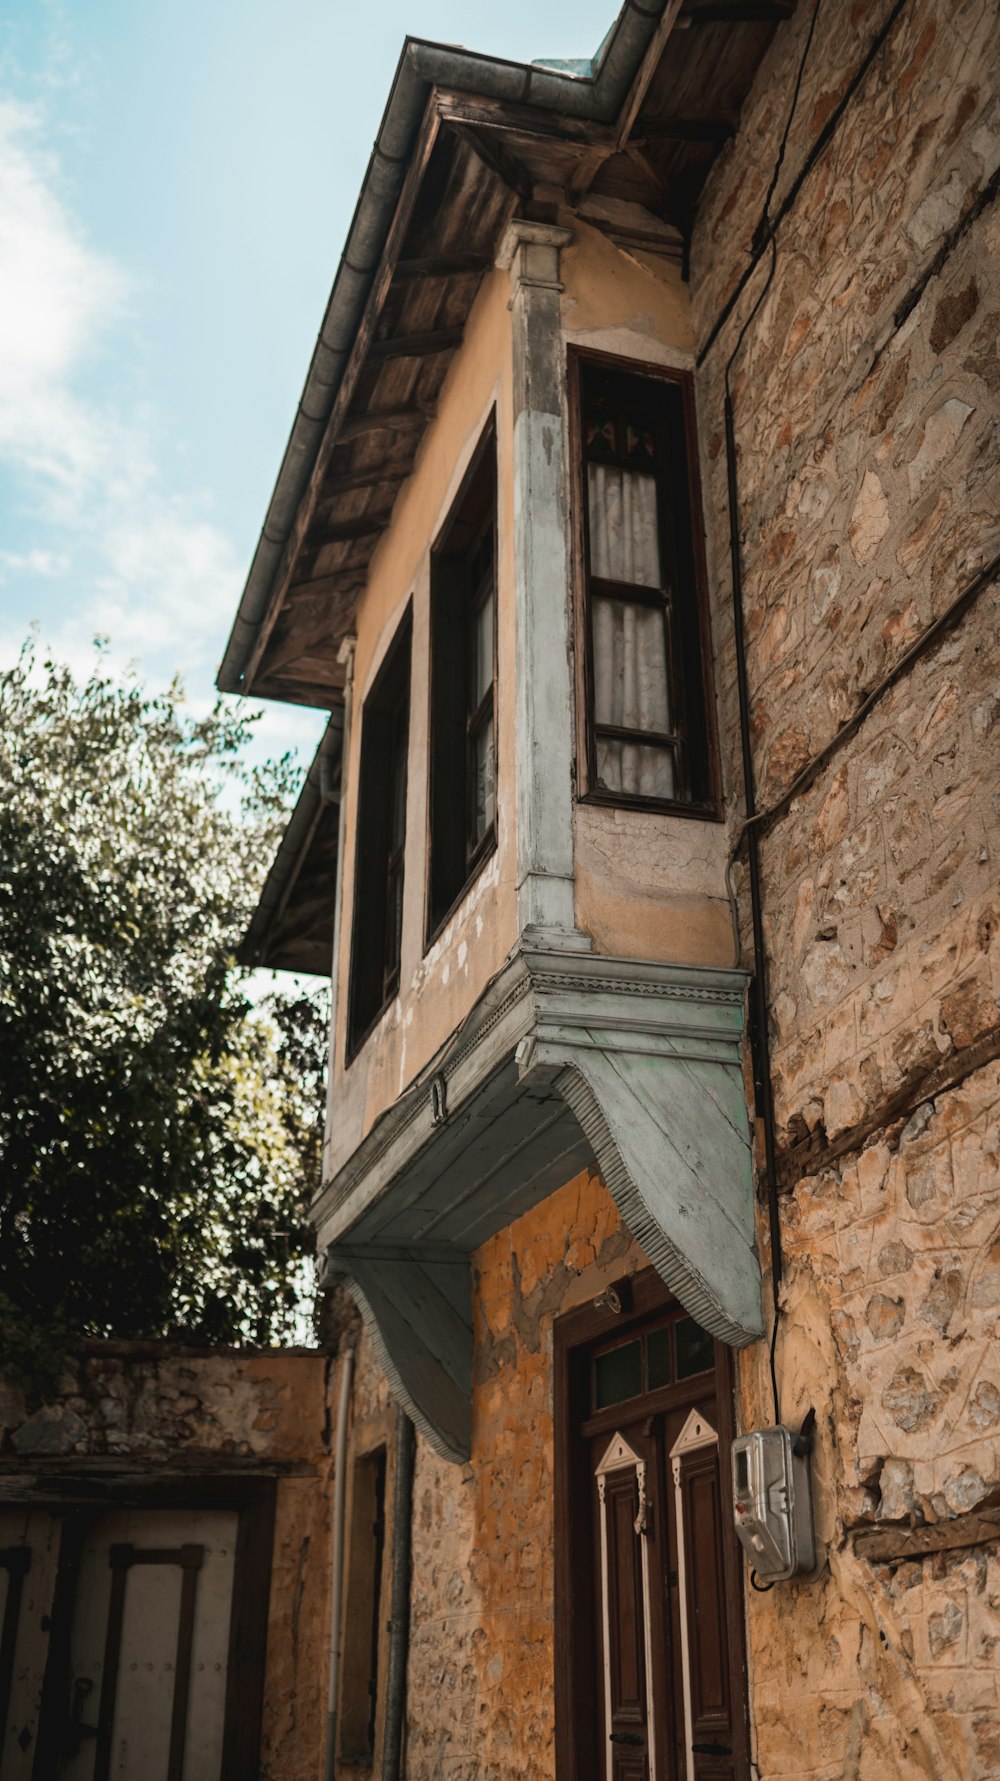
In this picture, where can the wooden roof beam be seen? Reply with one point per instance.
(344, 531)
(390, 420)
(415, 346)
(370, 478)
(441, 266)
(737, 12)
(717, 128)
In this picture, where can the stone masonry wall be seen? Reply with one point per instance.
(480, 1677)
(127, 1407)
(866, 402)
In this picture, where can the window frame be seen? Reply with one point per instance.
(360, 1028)
(708, 809)
(436, 920)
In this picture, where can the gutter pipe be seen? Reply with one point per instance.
(399, 1600)
(337, 1577)
(597, 95)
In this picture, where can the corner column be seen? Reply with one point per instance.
(544, 715)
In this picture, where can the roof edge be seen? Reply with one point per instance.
(422, 65)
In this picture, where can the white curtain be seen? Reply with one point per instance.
(631, 689)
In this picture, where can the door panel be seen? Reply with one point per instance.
(26, 1599)
(125, 1626)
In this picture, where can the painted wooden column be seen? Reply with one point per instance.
(544, 716)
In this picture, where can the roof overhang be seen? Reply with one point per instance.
(568, 1059)
(292, 925)
(626, 141)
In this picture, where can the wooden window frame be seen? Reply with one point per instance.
(386, 709)
(708, 809)
(363, 1611)
(576, 1683)
(437, 917)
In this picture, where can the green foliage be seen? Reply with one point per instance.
(158, 1131)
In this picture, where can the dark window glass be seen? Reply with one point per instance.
(658, 1363)
(463, 683)
(618, 1374)
(381, 838)
(647, 724)
(694, 1348)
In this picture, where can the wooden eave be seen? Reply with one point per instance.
(292, 925)
(476, 160)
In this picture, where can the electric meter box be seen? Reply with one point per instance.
(772, 1504)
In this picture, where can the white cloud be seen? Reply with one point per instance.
(146, 567)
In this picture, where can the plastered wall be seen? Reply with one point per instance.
(866, 417)
(438, 985)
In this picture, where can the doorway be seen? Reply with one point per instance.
(650, 1669)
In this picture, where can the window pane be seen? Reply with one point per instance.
(624, 532)
(634, 769)
(658, 1367)
(631, 688)
(482, 788)
(482, 647)
(618, 1375)
(694, 1348)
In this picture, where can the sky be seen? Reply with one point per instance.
(176, 182)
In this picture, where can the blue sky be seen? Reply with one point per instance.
(176, 180)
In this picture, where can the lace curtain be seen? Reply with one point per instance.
(631, 689)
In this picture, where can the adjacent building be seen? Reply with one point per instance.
(639, 531)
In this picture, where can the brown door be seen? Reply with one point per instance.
(659, 1694)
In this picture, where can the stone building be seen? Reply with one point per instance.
(638, 529)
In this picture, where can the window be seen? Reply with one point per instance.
(362, 1619)
(463, 681)
(381, 836)
(647, 733)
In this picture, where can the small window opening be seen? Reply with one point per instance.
(463, 688)
(381, 839)
(359, 1671)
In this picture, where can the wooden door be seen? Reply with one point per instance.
(659, 1695)
(115, 1645)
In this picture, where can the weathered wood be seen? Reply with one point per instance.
(498, 159)
(390, 420)
(647, 68)
(344, 531)
(415, 346)
(901, 1543)
(737, 12)
(455, 265)
(717, 128)
(370, 478)
(459, 109)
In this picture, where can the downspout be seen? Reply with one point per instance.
(337, 1578)
(399, 1600)
(345, 656)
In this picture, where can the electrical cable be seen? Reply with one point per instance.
(755, 1583)
(760, 1045)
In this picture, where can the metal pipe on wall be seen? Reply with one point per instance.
(399, 1600)
(337, 1573)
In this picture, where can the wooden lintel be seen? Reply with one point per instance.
(717, 128)
(901, 1544)
(737, 12)
(415, 346)
(391, 420)
(441, 266)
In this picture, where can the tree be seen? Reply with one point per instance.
(158, 1130)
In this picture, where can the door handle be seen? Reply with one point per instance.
(626, 1738)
